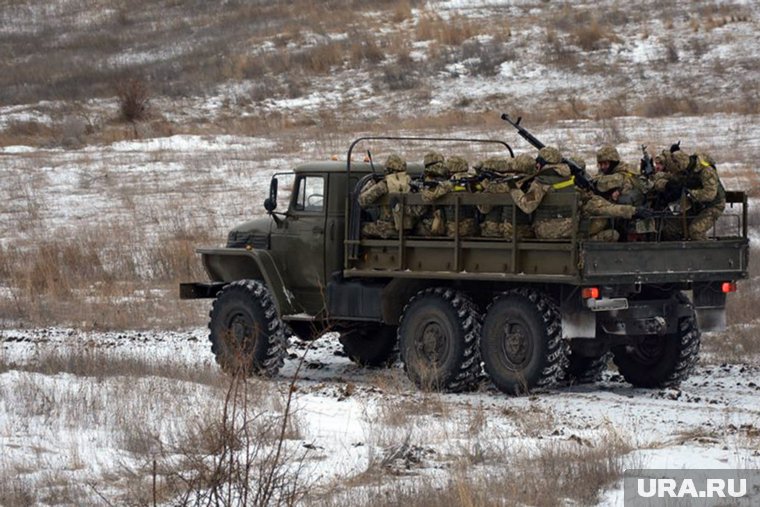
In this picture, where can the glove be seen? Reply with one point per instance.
(643, 212)
(675, 147)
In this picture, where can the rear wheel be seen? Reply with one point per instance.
(662, 361)
(246, 334)
(438, 340)
(521, 344)
(372, 345)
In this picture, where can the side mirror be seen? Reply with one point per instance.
(271, 202)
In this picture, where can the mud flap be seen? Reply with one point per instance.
(577, 322)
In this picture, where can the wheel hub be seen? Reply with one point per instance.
(649, 350)
(432, 346)
(516, 345)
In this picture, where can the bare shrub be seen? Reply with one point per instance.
(671, 52)
(484, 58)
(238, 456)
(366, 50)
(133, 98)
(453, 32)
(398, 76)
(401, 12)
(593, 35)
(320, 59)
(558, 52)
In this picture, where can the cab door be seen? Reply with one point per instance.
(299, 243)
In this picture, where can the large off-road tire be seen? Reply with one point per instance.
(438, 340)
(584, 369)
(246, 335)
(521, 344)
(662, 361)
(371, 345)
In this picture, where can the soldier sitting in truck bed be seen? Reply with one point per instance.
(551, 176)
(498, 219)
(459, 174)
(620, 182)
(693, 182)
(395, 180)
(434, 184)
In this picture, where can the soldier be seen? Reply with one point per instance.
(467, 225)
(498, 219)
(396, 180)
(551, 176)
(620, 181)
(693, 181)
(434, 185)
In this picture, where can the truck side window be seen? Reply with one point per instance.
(310, 195)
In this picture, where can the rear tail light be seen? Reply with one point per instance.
(727, 287)
(590, 293)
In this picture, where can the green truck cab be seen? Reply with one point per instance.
(529, 313)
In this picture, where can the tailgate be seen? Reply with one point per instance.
(664, 262)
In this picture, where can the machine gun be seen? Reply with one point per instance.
(582, 179)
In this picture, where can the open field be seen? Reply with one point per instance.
(109, 394)
(351, 433)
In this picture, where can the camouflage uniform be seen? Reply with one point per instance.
(498, 219)
(432, 221)
(596, 206)
(459, 170)
(705, 197)
(396, 180)
(553, 176)
(620, 177)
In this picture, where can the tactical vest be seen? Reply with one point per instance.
(549, 175)
(692, 181)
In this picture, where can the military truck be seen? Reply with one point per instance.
(527, 313)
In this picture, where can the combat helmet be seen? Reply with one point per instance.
(434, 164)
(549, 155)
(395, 164)
(607, 153)
(494, 164)
(579, 160)
(457, 165)
(680, 161)
(524, 163)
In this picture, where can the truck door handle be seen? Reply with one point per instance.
(318, 230)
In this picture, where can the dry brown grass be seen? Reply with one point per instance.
(91, 281)
(558, 473)
(453, 31)
(594, 35)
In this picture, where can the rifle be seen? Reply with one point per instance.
(417, 184)
(582, 179)
(647, 167)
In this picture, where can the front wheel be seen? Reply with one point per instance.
(522, 345)
(246, 334)
(438, 337)
(662, 361)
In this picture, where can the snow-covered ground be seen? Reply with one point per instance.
(77, 423)
(83, 413)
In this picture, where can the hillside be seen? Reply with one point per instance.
(132, 132)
